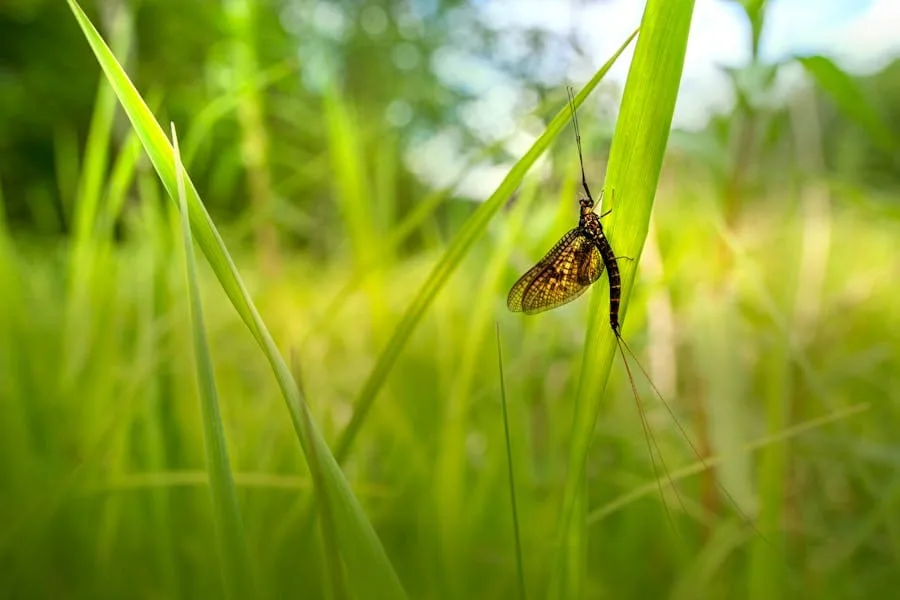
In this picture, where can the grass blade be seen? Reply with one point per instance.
(372, 575)
(468, 234)
(850, 99)
(509, 462)
(237, 577)
(635, 162)
(329, 531)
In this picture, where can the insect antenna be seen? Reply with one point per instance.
(578, 142)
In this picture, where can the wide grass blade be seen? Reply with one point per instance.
(468, 235)
(371, 574)
(635, 162)
(237, 577)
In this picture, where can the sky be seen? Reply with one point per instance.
(861, 36)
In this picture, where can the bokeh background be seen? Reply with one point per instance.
(339, 147)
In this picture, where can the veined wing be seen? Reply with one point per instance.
(572, 265)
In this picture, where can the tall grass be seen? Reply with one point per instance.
(359, 545)
(102, 469)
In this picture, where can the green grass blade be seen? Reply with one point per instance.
(120, 182)
(83, 259)
(237, 577)
(756, 14)
(509, 462)
(371, 573)
(766, 571)
(218, 109)
(67, 165)
(635, 162)
(96, 159)
(468, 234)
(332, 557)
(4, 231)
(255, 141)
(850, 99)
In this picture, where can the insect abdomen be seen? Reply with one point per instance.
(615, 282)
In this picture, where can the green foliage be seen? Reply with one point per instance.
(359, 544)
(765, 321)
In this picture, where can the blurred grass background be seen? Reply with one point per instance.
(765, 299)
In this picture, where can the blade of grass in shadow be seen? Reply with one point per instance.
(468, 234)
(371, 574)
(4, 228)
(120, 181)
(241, 16)
(509, 462)
(237, 578)
(635, 162)
(67, 166)
(850, 99)
(329, 532)
(218, 109)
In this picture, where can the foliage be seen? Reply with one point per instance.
(762, 307)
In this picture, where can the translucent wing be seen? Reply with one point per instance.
(562, 275)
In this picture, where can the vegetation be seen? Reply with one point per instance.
(145, 449)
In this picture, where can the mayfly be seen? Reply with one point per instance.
(574, 263)
(569, 268)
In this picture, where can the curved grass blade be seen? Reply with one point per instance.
(468, 234)
(371, 574)
(237, 577)
(635, 162)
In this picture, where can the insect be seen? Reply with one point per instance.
(567, 270)
(574, 263)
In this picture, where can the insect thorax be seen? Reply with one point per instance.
(590, 222)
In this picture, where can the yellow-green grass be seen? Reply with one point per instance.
(94, 472)
(102, 459)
